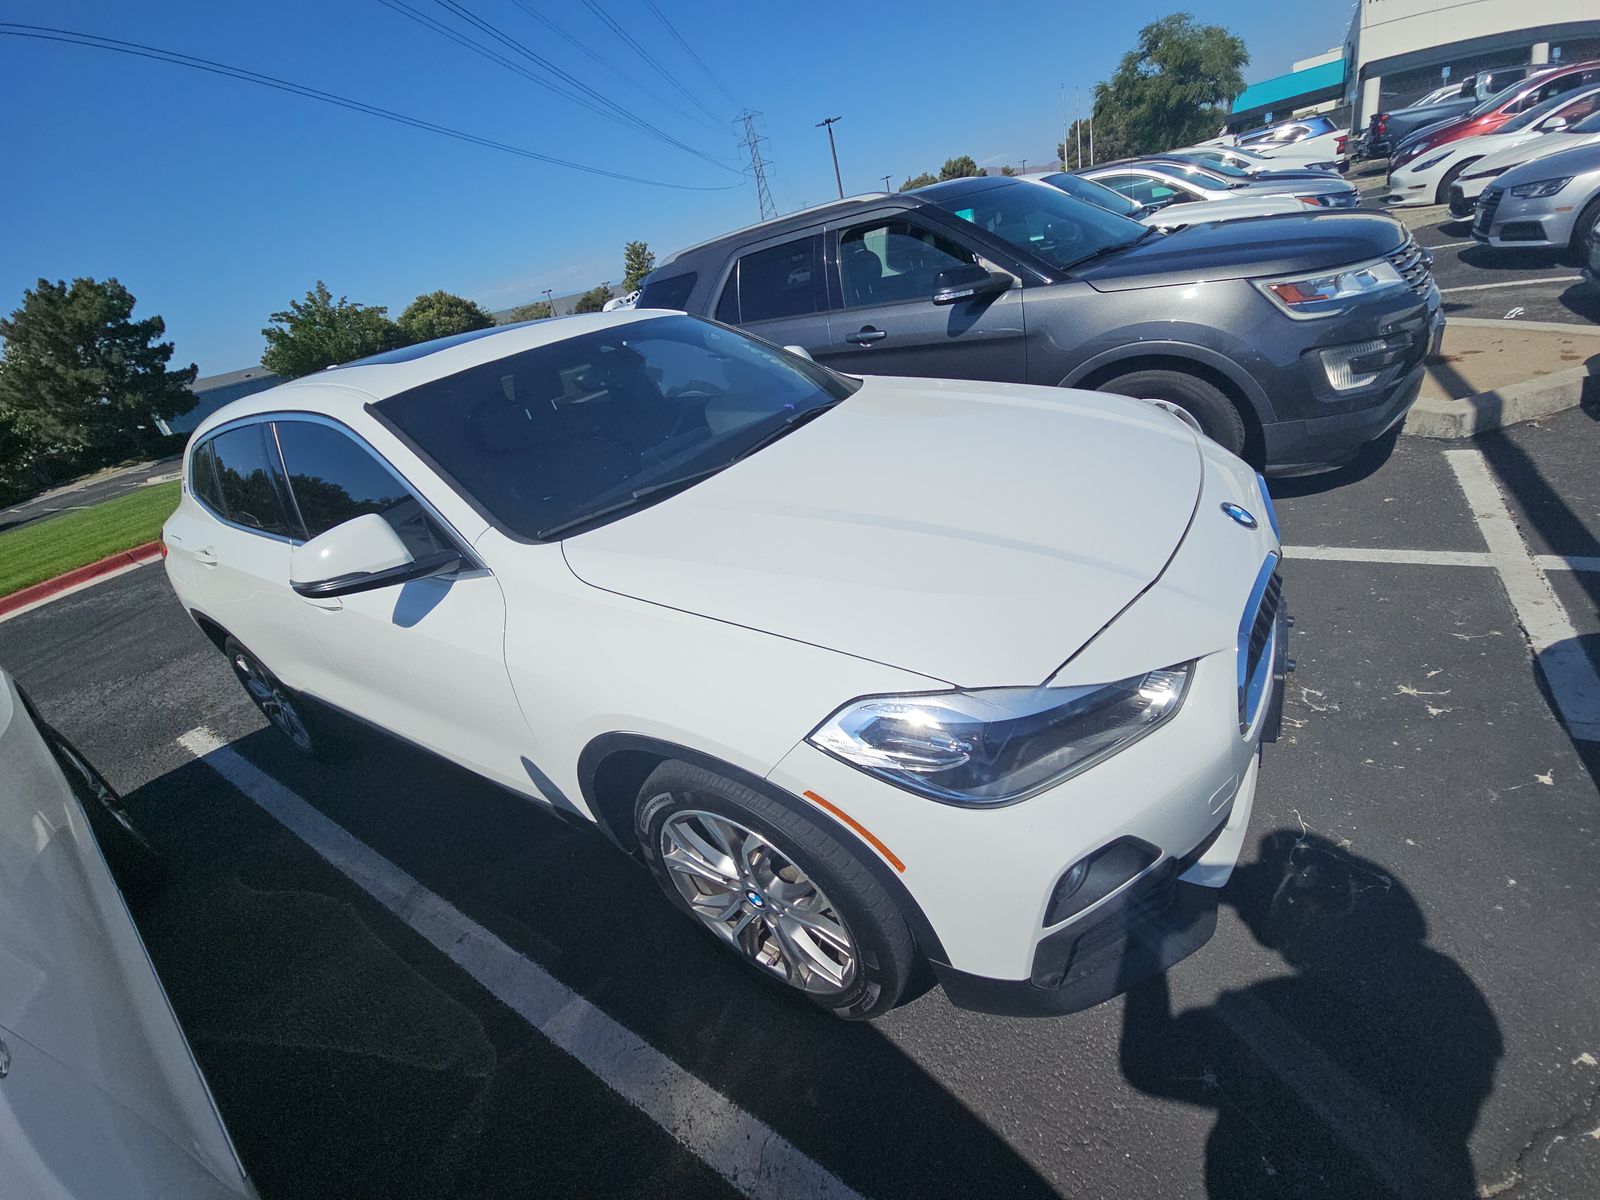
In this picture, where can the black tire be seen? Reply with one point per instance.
(1584, 230)
(1442, 194)
(1218, 416)
(885, 956)
(303, 725)
(138, 869)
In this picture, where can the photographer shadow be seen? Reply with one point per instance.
(1359, 1074)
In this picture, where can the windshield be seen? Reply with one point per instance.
(1499, 98)
(1582, 104)
(1060, 229)
(1211, 168)
(1095, 193)
(542, 440)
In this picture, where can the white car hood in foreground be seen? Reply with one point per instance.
(976, 533)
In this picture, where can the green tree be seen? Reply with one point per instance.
(440, 314)
(539, 310)
(319, 332)
(83, 382)
(593, 300)
(1008, 172)
(637, 262)
(1172, 89)
(916, 181)
(961, 167)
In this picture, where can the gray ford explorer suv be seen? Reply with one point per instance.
(1294, 340)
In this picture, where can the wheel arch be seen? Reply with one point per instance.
(210, 628)
(613, 767)
(1216, 369)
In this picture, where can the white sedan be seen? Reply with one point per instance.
(1426, 177)
(868, 672)
(1469, 185)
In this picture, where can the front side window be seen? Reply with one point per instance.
(334, 479)
(887, 262)
(1061, 230)
(589, 428)
(250, 480)
(1146, 190)
(780, 281)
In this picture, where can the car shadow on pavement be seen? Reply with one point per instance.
(1367, 461)
(350, 1058)
(1360, 1072)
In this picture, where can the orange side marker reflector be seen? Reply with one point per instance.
(866, 834)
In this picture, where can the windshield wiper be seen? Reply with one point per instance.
(1115, 248)
(652, 491)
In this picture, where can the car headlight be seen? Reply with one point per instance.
(1543, 187)
(1326, 293)
(995, 745)
(1428, 164)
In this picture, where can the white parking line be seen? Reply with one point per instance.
(737, 1146)
(1484, 287)
(1573, 682)
(1408, 558)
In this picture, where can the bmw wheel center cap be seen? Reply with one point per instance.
(755, 898)
(1239, 513)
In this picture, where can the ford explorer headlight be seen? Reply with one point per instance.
(1544, 187)
(998, 744)
(1327, 293)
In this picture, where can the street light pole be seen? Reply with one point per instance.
(549, 300)
(827, 123)
(886, 183)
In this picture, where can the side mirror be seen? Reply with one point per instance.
(800, 352)
(361, 555)
(1552, 124)
(968, 283)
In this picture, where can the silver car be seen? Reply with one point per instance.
(1550, 202)
(1171, 182)
(99, 1093)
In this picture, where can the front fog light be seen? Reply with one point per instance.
(998, 744)
(1356, 365)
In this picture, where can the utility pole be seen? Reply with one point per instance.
(549, 300)
(1065, 127)
(1077, 103)
(1024, 166)
(827, 123)
(886, 183)
(1091, 133)
(758, 165)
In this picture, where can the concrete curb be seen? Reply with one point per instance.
(78, 576)
(1487, 411)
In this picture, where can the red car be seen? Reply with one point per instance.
(1497, 109)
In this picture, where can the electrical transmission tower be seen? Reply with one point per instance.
(758, 165)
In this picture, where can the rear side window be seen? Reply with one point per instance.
(203, 477)
(780, 281)
(667, 293)
(250, 480)
(334, 478)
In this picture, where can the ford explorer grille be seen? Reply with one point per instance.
(1412, 262)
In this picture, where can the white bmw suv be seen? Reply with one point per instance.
(868, 672)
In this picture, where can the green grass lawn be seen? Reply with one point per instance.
(47, 548)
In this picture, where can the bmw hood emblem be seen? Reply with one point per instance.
(1239, 513)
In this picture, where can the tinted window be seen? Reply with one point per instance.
(590, 427)
(891, 261)
(203, 477)
(1097, 194)
(1060, 229)
(335, 478)
(667, 293)
(728, 305)
(251, 480)
(1146, 190)
(782, 281)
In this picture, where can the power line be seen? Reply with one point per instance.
(71, 37)
(758, 165)
(572, 81)
(697, 118)
(688, 49)
(650, 59)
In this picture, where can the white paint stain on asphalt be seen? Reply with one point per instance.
(737, 1146)
(1574, 685)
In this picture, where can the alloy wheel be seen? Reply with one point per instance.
(272, 700)
(755, 898)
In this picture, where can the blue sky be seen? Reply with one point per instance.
(216, 202)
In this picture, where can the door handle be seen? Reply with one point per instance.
(866, 335)
(206, 557)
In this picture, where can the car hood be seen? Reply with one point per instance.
(1540, 147)
(1248, 250)
(975, 533)
(1312, 183)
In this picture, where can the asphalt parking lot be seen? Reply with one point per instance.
(403, 982)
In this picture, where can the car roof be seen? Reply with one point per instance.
(341, 390)
(916, 198)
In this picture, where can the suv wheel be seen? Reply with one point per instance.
(284, 710)
(775, 889)
(1218, 416)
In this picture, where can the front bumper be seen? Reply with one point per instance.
(1539, 223)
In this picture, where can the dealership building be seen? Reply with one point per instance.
(1398, 50)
